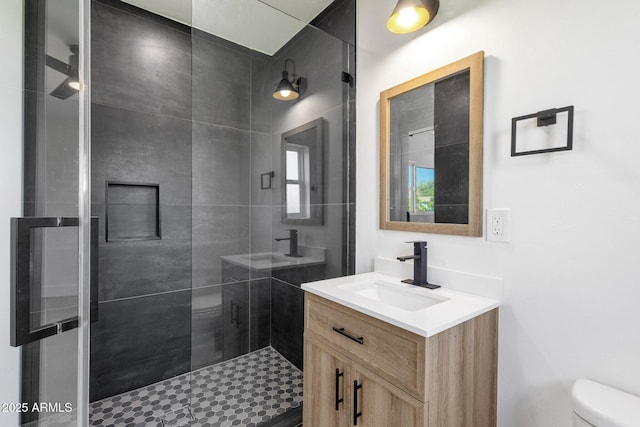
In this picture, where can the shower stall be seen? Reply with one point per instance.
(211, 202)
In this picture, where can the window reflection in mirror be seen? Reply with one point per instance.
(297, 181)
(302, 150)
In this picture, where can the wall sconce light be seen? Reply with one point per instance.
(411, 15)
(288, 90)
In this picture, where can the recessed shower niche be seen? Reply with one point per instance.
(133, 211)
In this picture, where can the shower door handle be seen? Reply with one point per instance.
(22, 331)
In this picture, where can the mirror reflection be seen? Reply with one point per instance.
(421, 149)
(431, 151)
(302, 160)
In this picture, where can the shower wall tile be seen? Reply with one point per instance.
(221, 165)
(453, 187)
(336, 164)
(451, 110)
(217, 231)
(319, 60)
(261, 162)
(261, 237)
(261, 92)
(287, 320)
(338, 20)
(147, 266)
(140, 341)
(330, 235)
(260, 317)
(456, 214)
(137, 147)
(221, 83)
(300, 275)
(139, 64)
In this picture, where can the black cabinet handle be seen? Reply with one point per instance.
(341, 331)
(234, 314)
(356, 414)
(338, 399)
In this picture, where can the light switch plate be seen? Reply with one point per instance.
(498, 225)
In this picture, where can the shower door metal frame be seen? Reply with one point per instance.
(84, 213)
(34, 16)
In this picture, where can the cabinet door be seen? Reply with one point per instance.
(326, 390)
(377, 403)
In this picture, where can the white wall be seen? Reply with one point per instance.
(10, 186)
(571, 270)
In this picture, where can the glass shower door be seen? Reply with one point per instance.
(50, 243)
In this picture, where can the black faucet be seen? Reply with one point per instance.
(293, 243)
(419, 258)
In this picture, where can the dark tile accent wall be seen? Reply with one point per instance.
(133, 146)
(287, 320)
(141, 133)
(260, 317)
(140, 64)
(452, 149)
(338, 19)
(199, 121)
(137, 340)
(231, 129)
(321, 53)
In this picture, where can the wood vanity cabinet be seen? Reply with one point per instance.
(362, 371)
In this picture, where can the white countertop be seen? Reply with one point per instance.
(455, 306)
(268, 261)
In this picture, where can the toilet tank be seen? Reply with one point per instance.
(599, 405)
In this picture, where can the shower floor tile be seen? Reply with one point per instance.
(244, 391)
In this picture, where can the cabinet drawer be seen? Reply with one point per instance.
(390, 352)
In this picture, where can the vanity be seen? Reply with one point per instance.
(379, 352)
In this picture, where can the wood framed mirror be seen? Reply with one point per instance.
(431, 151)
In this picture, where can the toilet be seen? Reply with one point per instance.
(598, 405)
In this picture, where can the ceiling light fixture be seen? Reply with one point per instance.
(288, 90)
(411, 15)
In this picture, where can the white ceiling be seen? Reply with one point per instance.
(262, 25)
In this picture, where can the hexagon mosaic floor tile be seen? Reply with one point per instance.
(244, 391)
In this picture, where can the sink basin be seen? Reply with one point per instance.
(396, 296)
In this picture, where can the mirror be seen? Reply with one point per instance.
(431, 151)
(302, 194)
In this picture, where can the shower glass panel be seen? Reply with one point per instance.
(247, 305)
(49, 245)
(200, 307)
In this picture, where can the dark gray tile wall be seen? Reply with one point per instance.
(137, 340)
(200, 122)
(452, 149)
(287, 320)
(320, 57)
(140, 64)
(141, 133)
(231, 148)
